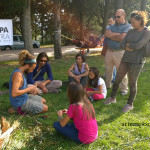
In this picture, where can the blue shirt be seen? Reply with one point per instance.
(117, 28)
(18, 101)
(46, 68)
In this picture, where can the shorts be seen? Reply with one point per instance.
(33, 104)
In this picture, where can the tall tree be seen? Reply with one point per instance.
(26, 26)
(57, 30)
(20, 8)
(118, 4)
(106, 14)
(143, 5)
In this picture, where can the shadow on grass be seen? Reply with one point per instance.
(38, 133)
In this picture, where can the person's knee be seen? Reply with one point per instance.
(45, 109)
(60, 83)
(56, 125)
(96, 97)
(43, 101)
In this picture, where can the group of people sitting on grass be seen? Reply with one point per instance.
(24, 93)
(85, 84)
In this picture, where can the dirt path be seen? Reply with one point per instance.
(10, 55)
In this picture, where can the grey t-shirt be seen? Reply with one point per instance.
(117, 28)
(137, 41)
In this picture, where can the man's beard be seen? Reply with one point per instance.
(26, 71)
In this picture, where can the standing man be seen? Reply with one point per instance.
(111, 21)
(115, 34)
(18, 92)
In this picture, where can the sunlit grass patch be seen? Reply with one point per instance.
(117, 130)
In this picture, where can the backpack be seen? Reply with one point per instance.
(146, 51)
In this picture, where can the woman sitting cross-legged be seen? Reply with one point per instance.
(36, 78)
(84, 128)
(79, 71)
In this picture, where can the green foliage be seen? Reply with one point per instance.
(76, 14)
(12, 8)
(38, 133)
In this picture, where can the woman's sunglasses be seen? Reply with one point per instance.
(43, 60)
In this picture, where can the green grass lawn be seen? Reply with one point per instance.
(116, 129)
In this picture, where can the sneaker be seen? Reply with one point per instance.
(110, 100)
(127, 108)
(124, 93)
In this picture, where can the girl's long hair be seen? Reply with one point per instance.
(76, 94)
(94, 82)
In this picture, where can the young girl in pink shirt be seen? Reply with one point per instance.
(84, 128)
(96, 88)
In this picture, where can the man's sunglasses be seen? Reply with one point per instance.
(43, 60)
(117, 16)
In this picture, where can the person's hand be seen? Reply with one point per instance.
(77, 78)
(36, 92)
(42, 87)
(32, 89)
(42, 84)
(88, 93)
(129, 49)
(39, 85)
(60, 113)
(45, 90)
(64, 111)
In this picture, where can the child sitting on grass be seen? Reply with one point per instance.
(98, 90)
(84, 128)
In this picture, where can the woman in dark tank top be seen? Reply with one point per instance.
(79, 71)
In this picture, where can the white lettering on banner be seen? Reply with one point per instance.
(6, 32)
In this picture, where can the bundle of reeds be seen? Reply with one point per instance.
(6, 131)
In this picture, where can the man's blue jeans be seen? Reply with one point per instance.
(69, 131)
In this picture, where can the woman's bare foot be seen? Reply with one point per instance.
(11, 110)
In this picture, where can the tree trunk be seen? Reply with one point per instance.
(42, 33)
(26, 27)
(81, 25)
(106, 15)
(81, 3)
(57, 30)
(118, 4)
(143, 5)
